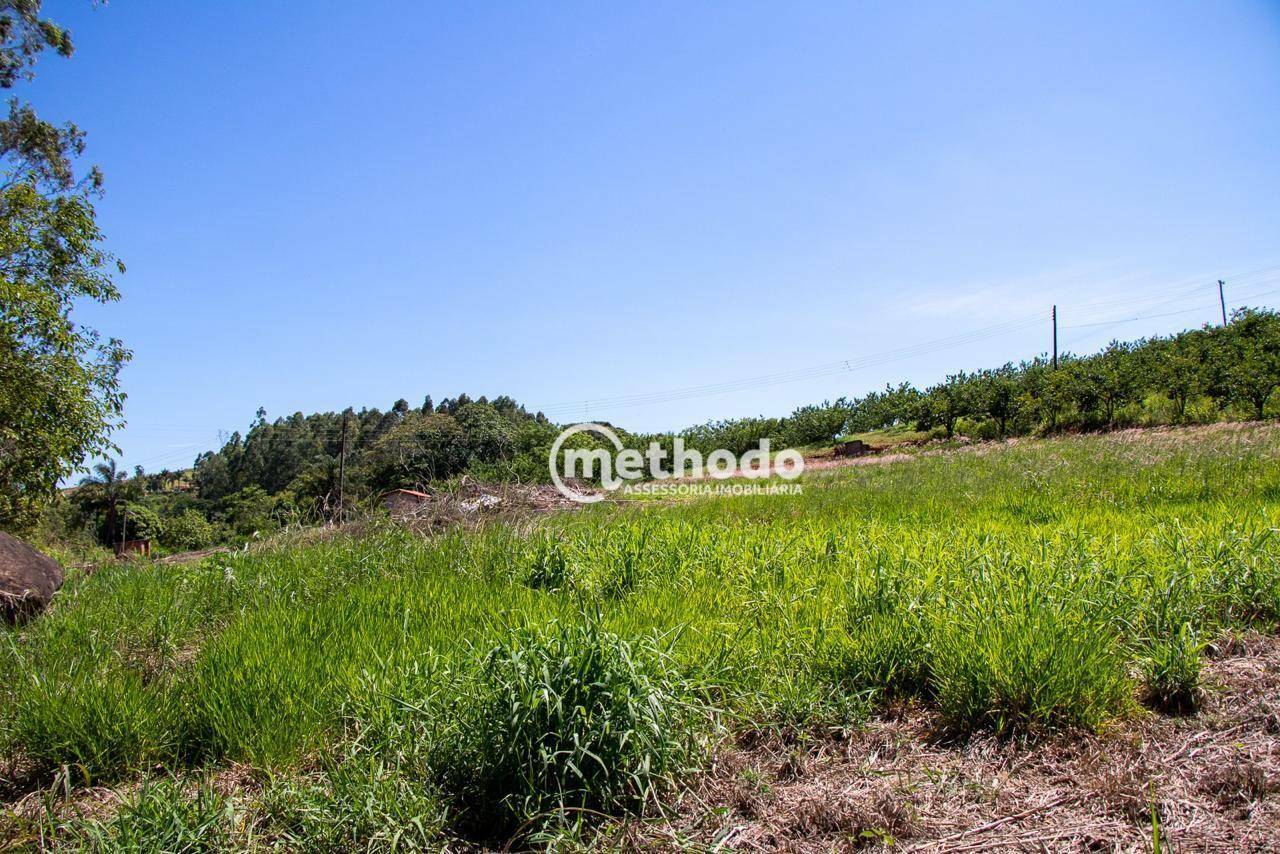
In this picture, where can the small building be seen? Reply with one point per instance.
(133, 547)
(401, 502)
(854, 448)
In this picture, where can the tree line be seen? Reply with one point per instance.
(286, 470)
(1212, 373)
(1207, 374)
(61, 400)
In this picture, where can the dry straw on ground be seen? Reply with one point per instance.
(1212, 781)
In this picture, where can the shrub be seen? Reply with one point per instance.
(188, 531)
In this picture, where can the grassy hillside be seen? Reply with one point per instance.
(383, 690)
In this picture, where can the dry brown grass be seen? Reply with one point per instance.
(1212, 782)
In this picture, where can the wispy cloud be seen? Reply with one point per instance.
(1006, 299)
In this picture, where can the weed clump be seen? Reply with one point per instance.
(568, 722)
(364, 802)
(160, 816)
(548, 564)
(1018, 659)
(887, 653)
(1171, 672)
(105, 723)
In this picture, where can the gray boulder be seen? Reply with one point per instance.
(28, 579)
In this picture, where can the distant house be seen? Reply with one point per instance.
(400, 502)
(854, 448)
(133, 547)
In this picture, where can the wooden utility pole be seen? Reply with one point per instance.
(342, 463)
(1055, 338)
(1223, 301)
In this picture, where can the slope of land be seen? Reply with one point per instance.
(1012, 644)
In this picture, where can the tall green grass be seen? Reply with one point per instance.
(1020, 589)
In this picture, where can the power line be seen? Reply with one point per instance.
(174, 453)
(1162, 297)
(1180, 292)
(1188, 287)
(1201, 308)
(811, 372)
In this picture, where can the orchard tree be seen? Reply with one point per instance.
(816, 424)
(1000, 396)
(946, 403)
(60, 397)
(1047, 392)
(1083, 388)
(1178, 368)
(1117, 380)
(1250, 358)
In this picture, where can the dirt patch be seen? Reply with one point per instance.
(1245, 432)
(1210, 782)
(188, 557)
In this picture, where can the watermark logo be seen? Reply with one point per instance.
(620, 468)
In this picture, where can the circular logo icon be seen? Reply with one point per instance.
(555, 458)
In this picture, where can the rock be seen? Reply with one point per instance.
(28, 579)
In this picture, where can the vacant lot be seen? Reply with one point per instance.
(1025, 606)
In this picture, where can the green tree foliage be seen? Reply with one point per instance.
(420, 449)
(1046, 393)
(1115, 376)
(818, 424)
(402, 447)
(253, 510)
(944, 404)
(889, 408)
(1251, 359)
(286, 468)
(1177, 367)
(490, 437)
(101, 492)
(59, 387)
(140, 522)
(737, 435)
(999, 395)
(1236, 366)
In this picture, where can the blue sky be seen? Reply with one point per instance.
(328, 203)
